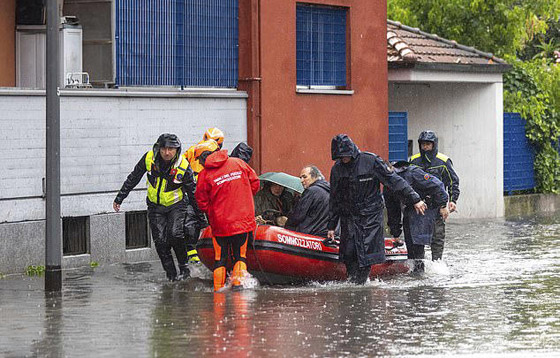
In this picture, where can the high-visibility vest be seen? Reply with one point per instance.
(165, 189)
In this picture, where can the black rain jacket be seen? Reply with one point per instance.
(356, 200)
(430, 189)
(440, 166)
(310, 215)
(134, 178)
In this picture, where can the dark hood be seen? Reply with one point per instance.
(216, 159)
(323, 184)
(400, 166)
(428, 136)
(242, 151)
(342, 146)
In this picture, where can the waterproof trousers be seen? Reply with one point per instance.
(355, 273)
(415, 251)
(438, 239)
(166, 224)
(237, 245)
(192, 232)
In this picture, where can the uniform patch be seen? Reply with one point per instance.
(427, 176)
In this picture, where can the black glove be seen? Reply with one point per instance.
(331, 242)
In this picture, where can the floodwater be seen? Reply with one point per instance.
(496, 294)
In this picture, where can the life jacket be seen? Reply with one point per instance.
(165, 188)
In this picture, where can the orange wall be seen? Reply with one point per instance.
(296, 129)
(7, 43)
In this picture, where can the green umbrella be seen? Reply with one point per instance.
(286, 180)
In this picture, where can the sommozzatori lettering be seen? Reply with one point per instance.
(227, 177)
(296, 241)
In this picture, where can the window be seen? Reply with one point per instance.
(321, 46)
(189, 43)
(75, 235)
(137, 233)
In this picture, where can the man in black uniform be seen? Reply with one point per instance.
(418, 229)
(356, 201)
(169, 180)
(310, 214)
(440, 166)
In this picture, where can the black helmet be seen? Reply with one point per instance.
(427, 136)
(168, 140)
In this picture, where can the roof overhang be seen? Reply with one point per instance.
(428, 74)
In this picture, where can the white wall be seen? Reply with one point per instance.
(468, 119)
(103, 135)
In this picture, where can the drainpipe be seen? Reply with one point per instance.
(250, 74)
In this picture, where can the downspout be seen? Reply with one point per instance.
(251, 82)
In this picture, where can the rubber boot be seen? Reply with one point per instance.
(169, 267)
(219, 278)
(184, 273)
(239, 270)
(418, 266)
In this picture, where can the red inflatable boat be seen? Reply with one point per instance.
(280, 256)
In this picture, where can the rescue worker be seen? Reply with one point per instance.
(192, 229)
(211, 134)
(310, 214)
(440, 166)
(242, 151)
(418, 229)
(170, 190)
(356, 201)
(225, 191)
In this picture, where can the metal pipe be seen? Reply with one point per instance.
(53, 237)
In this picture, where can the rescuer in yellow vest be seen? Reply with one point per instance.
(192, 229)
(170, 191)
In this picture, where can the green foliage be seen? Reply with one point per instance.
(2, 276)
(33, 270)
(532, 88)
(499, 26)
(93, 264)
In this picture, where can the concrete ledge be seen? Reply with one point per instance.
(523, 205)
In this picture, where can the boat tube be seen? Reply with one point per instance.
(280, 256)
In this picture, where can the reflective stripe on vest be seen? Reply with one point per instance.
(159, 193)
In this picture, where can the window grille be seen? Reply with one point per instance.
(137, 233)
(75, 235)
(320, 46)
(177, 43)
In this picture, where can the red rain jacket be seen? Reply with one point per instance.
(224, 191)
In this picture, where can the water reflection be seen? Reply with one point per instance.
(50, 345)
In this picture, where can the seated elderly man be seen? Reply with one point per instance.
(311, 213)
(275, 200)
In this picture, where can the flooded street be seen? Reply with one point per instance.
(498, 293)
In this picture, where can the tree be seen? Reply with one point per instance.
(502, 27)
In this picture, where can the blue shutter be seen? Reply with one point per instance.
(177, 43)
(320, 46)
(398, 136)
(518, 155)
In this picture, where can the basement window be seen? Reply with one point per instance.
(75, 235)
(137, 233)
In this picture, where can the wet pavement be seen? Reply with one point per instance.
(496, 294)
